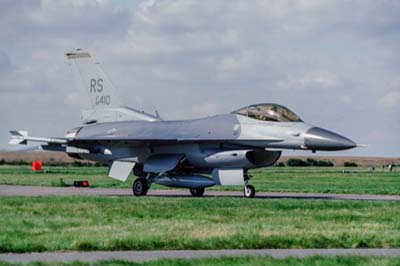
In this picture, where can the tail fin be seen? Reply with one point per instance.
(105, 105)
(92, 80)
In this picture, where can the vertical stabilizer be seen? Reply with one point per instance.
(92, 80)
(104, 105)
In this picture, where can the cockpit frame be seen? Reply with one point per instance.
(268, 112)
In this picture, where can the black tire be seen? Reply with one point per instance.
(140, 187)
(249, 191)
(197, 192)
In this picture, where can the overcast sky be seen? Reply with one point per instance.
(335, 63)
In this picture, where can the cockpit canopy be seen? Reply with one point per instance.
(268, 112)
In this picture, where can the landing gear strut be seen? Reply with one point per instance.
(249, 191)
(197, 192)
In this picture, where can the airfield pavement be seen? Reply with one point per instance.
(13, 190)
(142, 256)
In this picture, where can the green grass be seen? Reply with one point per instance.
(130, 223)
(239, 261)
(326, 179)
(279, 179)
(23, 175)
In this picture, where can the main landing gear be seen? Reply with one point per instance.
(197, 192)
(142, 184)
(140, 187)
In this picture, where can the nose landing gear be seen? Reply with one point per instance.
(249, 191)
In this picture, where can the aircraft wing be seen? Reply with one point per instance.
(22, 137)
(153, 141)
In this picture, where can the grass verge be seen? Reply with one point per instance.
(146, 223)
(279, 179)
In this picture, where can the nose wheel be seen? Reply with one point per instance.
(249, 191)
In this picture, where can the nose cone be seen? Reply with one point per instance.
(321, 139)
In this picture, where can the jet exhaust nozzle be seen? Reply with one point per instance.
(321, 139)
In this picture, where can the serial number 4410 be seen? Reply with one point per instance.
(103, 100)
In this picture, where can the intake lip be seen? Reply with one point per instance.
(317, 138)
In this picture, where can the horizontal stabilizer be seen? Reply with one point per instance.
(18, 137)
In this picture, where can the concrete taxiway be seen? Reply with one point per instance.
(7, 190)
(141, 256)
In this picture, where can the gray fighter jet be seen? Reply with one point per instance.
(194, 154)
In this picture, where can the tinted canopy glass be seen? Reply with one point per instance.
(269, 112)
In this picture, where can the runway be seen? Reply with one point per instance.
(7, 190)
(141, 256)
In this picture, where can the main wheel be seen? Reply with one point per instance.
(249, 191)
(140, 187)
(197, 192)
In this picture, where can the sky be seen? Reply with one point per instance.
(335, 63)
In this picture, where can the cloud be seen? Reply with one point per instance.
(390, 100)
(205, 109)
(190, 58)
(5, 62)
(313, 80)
(346, 99)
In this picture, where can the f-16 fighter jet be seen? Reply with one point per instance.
(193, 154)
